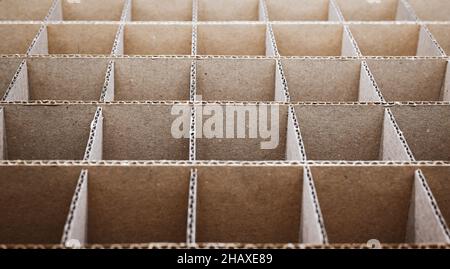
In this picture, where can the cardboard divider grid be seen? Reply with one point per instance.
(138, 104)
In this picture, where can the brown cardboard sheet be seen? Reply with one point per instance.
(298, 10)
(431, 10)
(155, 10)
(24, 10)
(92, 10)
(357, 10)
(17, 38)
(8, 68)
(441, 32)
(228, 10)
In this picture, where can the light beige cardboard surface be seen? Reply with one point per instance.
(25, 10)
(298, 10)
(155, 10)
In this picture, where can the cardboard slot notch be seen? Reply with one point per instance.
(158, 39)
(18, 87)
(426, 130)
(192, 208)
(241, 132)
(311, 39)
(350, 133)
(35, 202)
(231, 39)
(137, 204)
(427, 224)
(325, 80)
(303, 10)
(94, 148)
(386, 10)
(17, 38)
(431, 10)
(440, 33)
(155, 10)
(228, 10)
(89, 10)
(140, 79)
(393, 40)
(236, 79)
(410, 80)
(24, 10)
(75, 229)
(93, 39)
(267, 209)
(64, 137)
(73, 79)
(146, 132)
(359, 204)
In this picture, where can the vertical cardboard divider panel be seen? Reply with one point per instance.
(3, 153)
(249, 204)
(40, 44)
(119, 41)
(55, 13)
(34, 203)
(349, 45)
(138, 204)
(393, 144)
(194, 39)
(427, 45)
(368, 88)
(107, 94)
(312, 228)
(94, 148)
(262, 11)
(295, 150)
(194, 11)
(405, 12)
(362, 203)
(75, 229)
(271, 44)
(281, 88)
(18, 37)
(18, 90)
(192, 208)
(9, 67)
(446, 85)
(334, 13)
(126, 13)
(426, 223)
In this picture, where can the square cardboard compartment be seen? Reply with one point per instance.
(236, 79)
(357, 10)
(228, 10)
(231, 39)
(431, 10)
(24, 10)
(156, 10)
(92, 10)
(17, 38)
(8, 68)
(441, 32)
(161, 39)
(298, 10)
(409, 80)
(151, 79)
(249, 204)
(35, 203)
(64, 137)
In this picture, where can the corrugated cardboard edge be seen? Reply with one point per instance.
(295, 149)
(18, 88)
(393, 144)
(94, 148)
(107, 94)
(192, 208)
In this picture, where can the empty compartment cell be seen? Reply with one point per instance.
(409, 80)
(236, 79)
(298, 10)
(333, 132)
(231, 39)
(323, 80)
(241, 132)
(359, 204)
(158, 39)
(73, 79)
(441, 32)
(151, 79)
(17, 38)
(249, 204)
(8, 67)
(146, 132)
(156, 10)
(438, 179)
(228, 10)
(387, 39)
(431, 10)
(309, 39)
(92, 10)
(24, 10)
(137, 204)
(35, 202)
(38, 132)
(426, 129)
(366, 10)
(81, 38)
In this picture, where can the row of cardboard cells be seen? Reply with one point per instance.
(225, 10)
(223, 79)
(228, 132)
(290, 39)
(245, 204)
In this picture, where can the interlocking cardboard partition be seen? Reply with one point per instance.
(360, 90)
